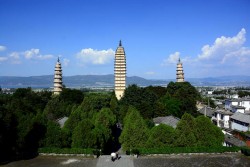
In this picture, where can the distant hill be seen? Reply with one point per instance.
(237, 80)
(46, 81)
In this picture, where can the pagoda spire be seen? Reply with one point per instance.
(120, 43)
(58, 60)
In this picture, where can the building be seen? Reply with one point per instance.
(207, 111)
(231, 140)
(179, 72)
(222, 118)
(58, 78)
(240, 122)
(238, 105)
(240, 109)
(120, 71)
(168, 120)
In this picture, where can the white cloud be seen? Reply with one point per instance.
(35, 54)
(66, 62)
(222, 47)
(15, 55)
(95, 56)
(150, 73)
(44, 57)
(172, 59)
(226, 56)
(28, 54)
(239, 56)
(2, 59)
(15, 58)
(2, 48)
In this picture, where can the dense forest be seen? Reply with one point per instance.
(29, 120)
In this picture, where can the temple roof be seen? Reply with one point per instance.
(241, 117)
(168, 120)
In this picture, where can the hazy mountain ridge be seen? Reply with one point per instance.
(46, 81)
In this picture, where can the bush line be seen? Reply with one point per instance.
(177, 150)
(66, 150)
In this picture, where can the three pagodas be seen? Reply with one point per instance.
(119, 73)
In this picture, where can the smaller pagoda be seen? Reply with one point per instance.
(179, 72)
(58, 78)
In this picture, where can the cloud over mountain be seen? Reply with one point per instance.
(225, 54)
(91, 56)
(224, 48)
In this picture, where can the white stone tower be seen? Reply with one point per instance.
(58, 78)
(120, 71)
(179, 72)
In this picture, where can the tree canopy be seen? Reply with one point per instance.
(135, 132)
(28, 120)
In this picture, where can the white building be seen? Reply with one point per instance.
(246, 103)
(222, 118)
(239, 109)
(240, 122)
(238, 105)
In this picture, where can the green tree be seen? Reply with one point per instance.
(142, 99)
(207, 134)
(94, 102)
(161, 136)
(83, 136)
(73, 120)
(53, 135)
(135, 132)
(171, 105)
(186, 94)
(185, 132)
(103, 121)
(113, 103)
(157, 90)
(71, 96)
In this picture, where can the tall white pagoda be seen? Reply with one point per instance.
(58, 78)
(120, 71)
(179, 72)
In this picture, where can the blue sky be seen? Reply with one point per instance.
(211, 37)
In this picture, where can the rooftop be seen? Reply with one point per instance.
(168, 120)
(222, 111)
(241, 117)
(62, 121)
(209, 111)
(234, 141)
(238, 107)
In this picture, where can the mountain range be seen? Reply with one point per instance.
(81, 81)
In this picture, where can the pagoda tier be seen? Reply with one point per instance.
(58, 78)
(120, 71)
